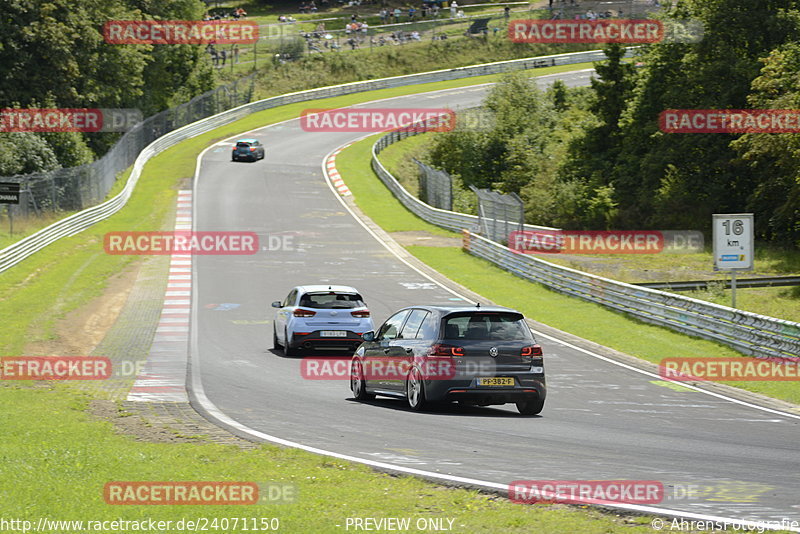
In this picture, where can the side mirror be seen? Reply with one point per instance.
(368, 336)
(277, 304)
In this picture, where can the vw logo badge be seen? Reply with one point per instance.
(334, 314)
(493, 352)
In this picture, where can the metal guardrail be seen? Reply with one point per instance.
(750, 333)
(78, 222)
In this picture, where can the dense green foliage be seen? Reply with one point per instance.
(52, 54)
(599, 160)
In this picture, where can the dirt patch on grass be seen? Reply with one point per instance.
(163, 422)
(84, 328)
(133, 424)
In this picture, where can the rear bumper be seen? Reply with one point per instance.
(315, 340)
(527, 388)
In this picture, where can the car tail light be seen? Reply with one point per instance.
(534, 351)
(360, 313)
(299, 312)
(252, 149)
(442, 350)
(530, 352)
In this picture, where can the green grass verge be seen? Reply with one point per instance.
(587, 320)
(374, 197)
(56, 458)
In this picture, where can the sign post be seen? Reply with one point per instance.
(9, 194)
(733, 245)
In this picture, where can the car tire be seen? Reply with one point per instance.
(288, 351)
(357, 383)
(533, 407)
(415, 391)
(275, 343)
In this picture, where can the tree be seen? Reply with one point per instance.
(675, 180)
(53, 52)
(502, 154)
(24, 153)
(775, 158)
(593, 154)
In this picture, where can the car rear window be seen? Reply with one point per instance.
(495, 326)
(331, 300)
(243, 145)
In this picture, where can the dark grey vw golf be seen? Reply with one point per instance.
(475, 355)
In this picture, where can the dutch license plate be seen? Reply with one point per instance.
(333, 333)
(496, 381)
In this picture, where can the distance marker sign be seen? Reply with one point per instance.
(733, 242)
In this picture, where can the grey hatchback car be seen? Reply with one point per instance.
(250, 149)
(474, 355)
